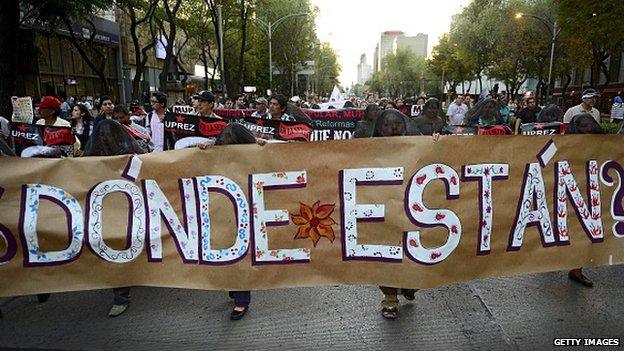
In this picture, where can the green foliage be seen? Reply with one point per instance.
(327, 69)
(595, 26)
(611, 128)
(404, 73)
(53, 12)
(487, 38)
(246, 44)
(446, 62)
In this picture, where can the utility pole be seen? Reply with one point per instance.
(269, 26)
(220, 19)
(554, 30)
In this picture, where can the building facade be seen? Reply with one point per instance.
(391, 41)
(376, 59)
(57, 68)
(364, 70)
(386, 46)
(416, 44)
(609, 87)
(51, 65)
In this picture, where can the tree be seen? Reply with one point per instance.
(476, 34)
(521, 50)
(327, 69)
(595, 24)
(482, 41)
(293, 40)
(141, 15)
(445, 62)
(404, 73)
(169, 31)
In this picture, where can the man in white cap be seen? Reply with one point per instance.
(587, 106)
(296, 100)
(261, 109)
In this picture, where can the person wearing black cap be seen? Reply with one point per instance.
(587, 106)
(206, 101)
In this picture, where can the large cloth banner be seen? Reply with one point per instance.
(405, 212)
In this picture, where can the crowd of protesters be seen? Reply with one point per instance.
(107, 128)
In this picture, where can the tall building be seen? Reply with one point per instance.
(51, 65)
(364, 70)
(416, 44)
(391, 41)
(376, 59)
(386, 46)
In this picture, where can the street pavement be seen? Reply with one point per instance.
(512, 313)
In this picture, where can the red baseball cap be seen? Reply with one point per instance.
(50, 102)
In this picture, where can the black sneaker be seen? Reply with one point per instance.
(236, 315)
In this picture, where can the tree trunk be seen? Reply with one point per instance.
(605, 70)
(9, 38)
(205, 62)
(169, 54)
(136, 80)
(511, 87)
(76, 43)
(480, 82)
(565, 88)
(215, 22)
(241, 60)
(140, 54)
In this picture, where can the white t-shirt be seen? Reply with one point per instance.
(59, 122)
(617, 111)
(457, 113)
(577, 110)
(156, 127)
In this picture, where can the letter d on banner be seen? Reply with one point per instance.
(32, 194)
(229, 188)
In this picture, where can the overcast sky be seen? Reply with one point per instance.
(353, 27)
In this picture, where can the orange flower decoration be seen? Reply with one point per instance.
(315, 222)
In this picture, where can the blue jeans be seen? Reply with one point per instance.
(241, 298)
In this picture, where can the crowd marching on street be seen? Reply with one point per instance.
(106, 128)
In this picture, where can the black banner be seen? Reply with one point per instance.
(180, 125)
(553, 128)
(333, 124)
(25, 135)
(477, 130)
(277, 130)
(461, 130)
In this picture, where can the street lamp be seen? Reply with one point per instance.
(269, 26)
(554, 30)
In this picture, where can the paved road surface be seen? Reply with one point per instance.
(524, 313)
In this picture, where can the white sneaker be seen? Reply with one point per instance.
(116, 310)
